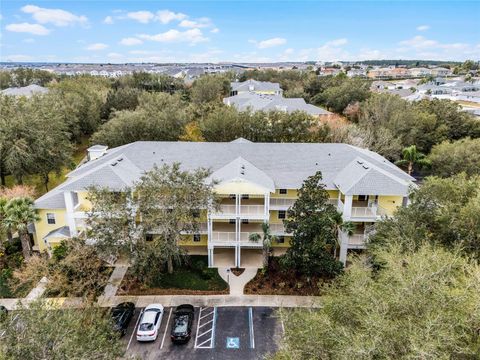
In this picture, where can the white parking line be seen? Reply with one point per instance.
(134, 329)
(166, 328)
(250, 322)
(209, 317)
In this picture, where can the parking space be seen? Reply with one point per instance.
(217, 333)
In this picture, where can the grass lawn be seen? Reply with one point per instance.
(190, 279)
(55, 179)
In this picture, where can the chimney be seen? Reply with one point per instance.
(96, 151)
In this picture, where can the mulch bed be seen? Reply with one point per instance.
(274, 281)
(237, 271)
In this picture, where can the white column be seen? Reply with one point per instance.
(69, 215)
(267, 206)
(210, 257)
(347, 207)
(343, 239)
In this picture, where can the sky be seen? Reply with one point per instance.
(237, 31)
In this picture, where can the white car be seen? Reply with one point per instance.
(149, 324)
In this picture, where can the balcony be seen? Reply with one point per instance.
(223, 238)
(281, 204)
(278, 229)
(246, 212)
(354, 241)
(361, 210)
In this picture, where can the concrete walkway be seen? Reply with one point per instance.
(288, 301)
(115, 280)
(237, 283)
(38, 290)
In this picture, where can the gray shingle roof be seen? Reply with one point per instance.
(286, 164)
(243, 171)
(63, 232)
(262, 102)
(254, 85)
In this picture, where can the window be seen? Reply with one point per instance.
(50, 218)
(282, 214)
(196, 213)
(245, 197)
(149, 237)
(362, 197)
(281, 239)
(232, 196)
(196, 237)
(282, 191)
(244, 221)
(232, 221)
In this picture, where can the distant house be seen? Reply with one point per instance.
(440, 71)
(382, 85)
(26, 91)
(262, 102)
(420, 72)
(254, 86)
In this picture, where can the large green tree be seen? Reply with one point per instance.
(145, 223)
(444, 211)
(450, 158)
(418, 305)
(209, 88)
(43, 332)
(313, 231)
(158, 117)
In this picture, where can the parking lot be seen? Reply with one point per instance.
(217, 333)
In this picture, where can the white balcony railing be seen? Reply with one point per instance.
(281, 204)
(246, 210)
(220, 237)
(252, 210)
(278, 229)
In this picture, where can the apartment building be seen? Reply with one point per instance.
(257, 182)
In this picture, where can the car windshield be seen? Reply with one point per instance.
(181, 324)
(146, 327)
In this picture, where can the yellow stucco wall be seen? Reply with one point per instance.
(286, 244)
(291, 193)
(42, 228)
(390, 203)
(274, 217)
(187, 240)
(85, 204)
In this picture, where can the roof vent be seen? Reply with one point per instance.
(365, 167)
(243, 167)
(360, 162)
(114, 163)
(242, 172)
(120, 159)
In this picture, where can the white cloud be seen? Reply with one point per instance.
(264, 44)
(114, 55)
(108, 20)
(191, 36)
(29, 40)
(96, 46)
(423, 27)
(199, 23)
(143, 17)
(130, 41)
(57, 17)
(18, 57)
(35, 29)
(166, 16)
(215, 30)
(419, 42)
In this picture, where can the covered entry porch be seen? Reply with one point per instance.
(237, 256)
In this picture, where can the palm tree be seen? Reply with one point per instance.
(339, 225)
(19, 213)
(411, 156)
(267, 239)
